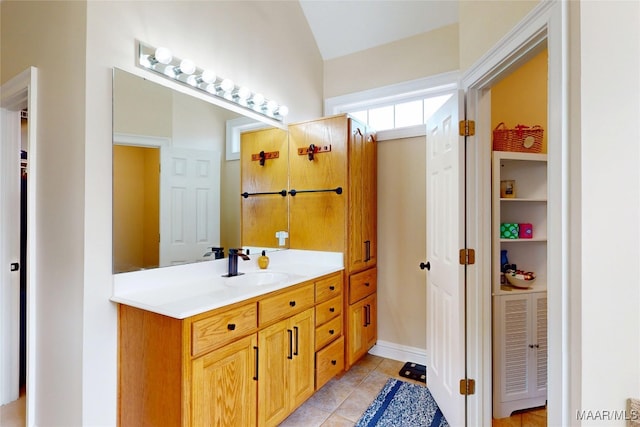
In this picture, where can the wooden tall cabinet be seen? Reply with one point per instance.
(333, 207)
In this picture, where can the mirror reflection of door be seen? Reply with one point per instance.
(136, 207)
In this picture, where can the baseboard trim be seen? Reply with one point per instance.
(399, 352)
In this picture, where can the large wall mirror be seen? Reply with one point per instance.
(176, 191)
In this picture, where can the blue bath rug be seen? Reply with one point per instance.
(402, 404)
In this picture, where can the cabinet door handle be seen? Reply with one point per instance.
(231, 326)
(255, 377)
(295, 330)
(368, 313)
(290, 333)
(365, 316)
(367, 250)
(292, 303)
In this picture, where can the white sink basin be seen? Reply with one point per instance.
(258, 278)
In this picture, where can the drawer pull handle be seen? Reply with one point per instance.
(331, 332)
(231, 326)
(334, 362)
(332, 309)
(366, 284)
(332, 288)
(292, 303)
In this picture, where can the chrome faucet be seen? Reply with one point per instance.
(233, 262)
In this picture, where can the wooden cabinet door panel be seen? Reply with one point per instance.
(273, 375)
(223, 386)
(302, 384)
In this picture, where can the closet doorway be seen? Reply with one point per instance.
(18, 247)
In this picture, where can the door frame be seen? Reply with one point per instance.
(20, 92)
(546, 25)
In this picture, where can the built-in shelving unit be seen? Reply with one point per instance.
(529, 205)
(519, 314)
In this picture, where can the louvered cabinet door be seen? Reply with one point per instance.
(520, 352)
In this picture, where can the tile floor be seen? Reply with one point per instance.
(343, 400)
(339, 403)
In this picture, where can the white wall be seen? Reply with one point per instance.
(608, 72)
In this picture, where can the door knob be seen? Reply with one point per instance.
(427, 266)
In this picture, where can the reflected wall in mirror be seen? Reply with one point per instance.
(174, 194)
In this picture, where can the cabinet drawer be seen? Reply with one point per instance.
(329, 362)
(362, 284)
(219, 329)
(328, 332)
(286, 304)
(328, 310)
(328, 287)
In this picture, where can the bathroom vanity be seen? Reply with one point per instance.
(199, 349)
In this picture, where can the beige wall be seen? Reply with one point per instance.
(247, 41)
(408, 59)
(50, 36)
(483, 23)
(402, 243)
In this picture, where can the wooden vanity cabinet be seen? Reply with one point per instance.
(247, 364)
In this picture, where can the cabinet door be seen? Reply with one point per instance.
(318, 219)
(362, 328)
(362, 198)
(539, 368)
(286, 367)
(223, 386)
(302, 385)
(275, 353)
(521, 346)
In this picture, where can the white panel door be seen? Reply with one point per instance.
(445, 279)
(189, 204)
(9, 255)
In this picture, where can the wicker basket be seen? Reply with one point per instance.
(523, 138)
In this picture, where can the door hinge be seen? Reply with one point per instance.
(467, 256)
(467, 127)
(467, 387)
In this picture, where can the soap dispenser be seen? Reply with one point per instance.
(263, 261)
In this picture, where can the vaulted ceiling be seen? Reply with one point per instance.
(344, 27)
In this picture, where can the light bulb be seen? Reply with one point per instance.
(208, 76)
(257, 99)
(146, 61)
(211, 88)
(187, 66)
(244, 93)
(283, 110)
(192, 80)
(170, 72)
(271, 106)
(227, 85)
(163, 55)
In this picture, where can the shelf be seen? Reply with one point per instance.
(521, 199)
(533, 239)
(538, 286)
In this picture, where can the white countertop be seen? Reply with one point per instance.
(186, 290)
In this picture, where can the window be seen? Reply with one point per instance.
(399, 110)
(400, 115)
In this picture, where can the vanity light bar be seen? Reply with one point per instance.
(162, 62)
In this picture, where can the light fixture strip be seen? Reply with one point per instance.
(184, 71)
